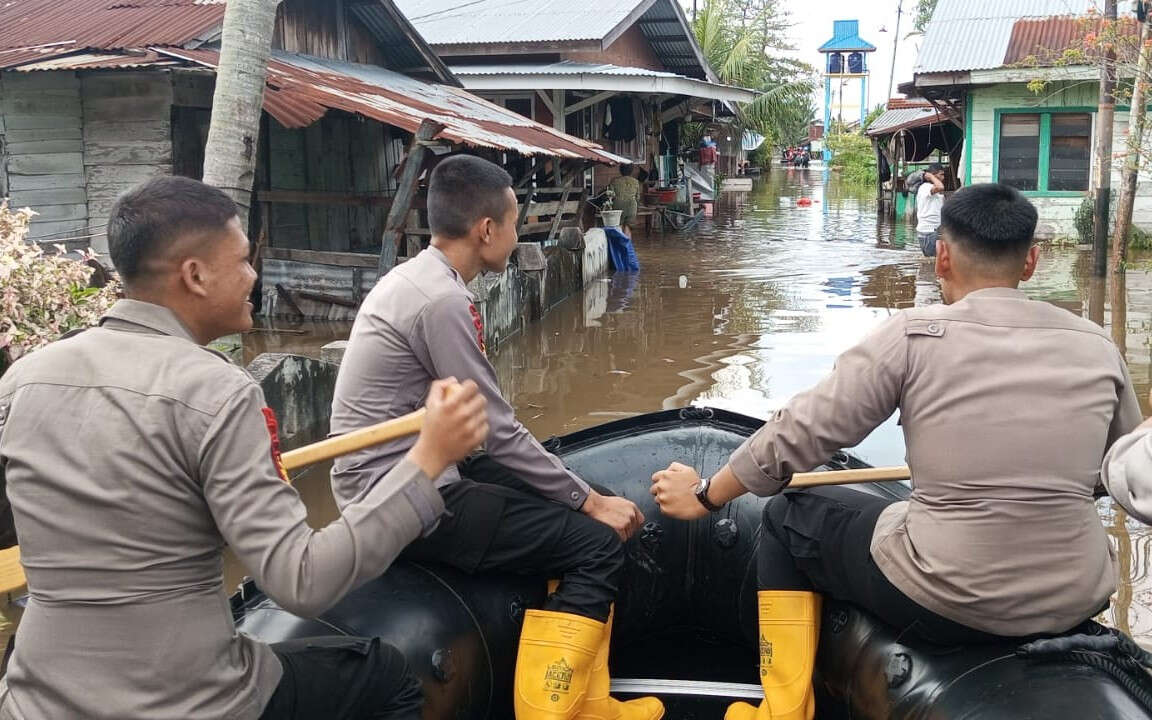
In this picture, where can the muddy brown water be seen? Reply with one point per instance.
(750, 309)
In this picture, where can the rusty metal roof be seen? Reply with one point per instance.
(301, 89)
(974, 34)
(1043, 40)
(107, 24)
(99, 61)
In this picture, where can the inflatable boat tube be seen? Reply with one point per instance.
(686, 615)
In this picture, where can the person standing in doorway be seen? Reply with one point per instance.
(627, 189)
(929, 200)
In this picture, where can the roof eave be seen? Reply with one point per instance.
(679, 85)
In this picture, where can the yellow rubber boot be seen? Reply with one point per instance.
(602, 706)
(554, 664)
(789, 634)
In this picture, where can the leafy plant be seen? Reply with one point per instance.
(1085, 218)
(853, 157)
(42, 296)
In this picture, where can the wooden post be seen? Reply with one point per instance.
(405, 191)
(1137, 114)
(558, 115)
(560, 209)
(1105, 115)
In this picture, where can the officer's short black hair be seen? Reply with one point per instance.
(149, 218)
(991, 221)
(626, 170)
(464, 189)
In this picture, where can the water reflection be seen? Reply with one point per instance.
(753, 308)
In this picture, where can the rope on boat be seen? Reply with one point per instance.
(1107, 650)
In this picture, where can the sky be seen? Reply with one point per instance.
(812, 26)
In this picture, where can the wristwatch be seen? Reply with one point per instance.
(702, 495)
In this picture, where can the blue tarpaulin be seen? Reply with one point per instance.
(620, 251)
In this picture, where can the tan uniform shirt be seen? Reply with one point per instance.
(1127, 474)
(1008, 406)
(418, 324)
(132, 456)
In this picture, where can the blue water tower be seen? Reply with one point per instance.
(846, 65)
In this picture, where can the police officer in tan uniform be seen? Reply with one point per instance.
(1008, 406)
(133, 455)
(516, 508)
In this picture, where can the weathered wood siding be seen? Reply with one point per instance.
(42, 153)
(1056, 213)
(127, 137)
(340, 154)
(324, 28)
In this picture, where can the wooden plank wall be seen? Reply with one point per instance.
(339, 154)
(42, 151)
(127, 136)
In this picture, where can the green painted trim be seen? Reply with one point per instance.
(1045, 147)
(1043, 109)
(968, 138)
(1045, 151)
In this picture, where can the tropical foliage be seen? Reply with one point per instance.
(924, 10)
(745, 42)
(853, 157)
(42, 296)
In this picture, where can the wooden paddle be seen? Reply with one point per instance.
(847, 477)
(367, 437)
(411, 423)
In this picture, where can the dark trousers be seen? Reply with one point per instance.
(343, 678)
(494, 521)
(819, 540)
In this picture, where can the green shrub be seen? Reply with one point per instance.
(853, 157)
(1085, 217)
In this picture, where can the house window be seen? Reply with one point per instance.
(1070, 151)
(1020, 151)
(1045, 152)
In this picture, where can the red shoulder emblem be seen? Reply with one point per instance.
(478, 322)
(274, 433)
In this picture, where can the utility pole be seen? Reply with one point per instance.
(1137, 114)
(895, 44)
(1105, 115)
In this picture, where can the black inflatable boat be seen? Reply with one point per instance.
(686, 616)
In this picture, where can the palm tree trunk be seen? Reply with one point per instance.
(1137, 114)
(234, 132)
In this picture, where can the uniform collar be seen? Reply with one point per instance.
(443, 260)
(998, 292)
(132, 315)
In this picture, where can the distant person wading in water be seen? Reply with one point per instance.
(929, 200)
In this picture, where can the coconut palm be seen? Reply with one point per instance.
(741, 40)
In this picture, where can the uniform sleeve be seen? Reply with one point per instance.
(1127, 473)
(262, 517)
(1128, 414)
(452, 338)
(861, 392)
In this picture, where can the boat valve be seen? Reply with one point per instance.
(727, 532)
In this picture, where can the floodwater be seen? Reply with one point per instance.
(752, 308)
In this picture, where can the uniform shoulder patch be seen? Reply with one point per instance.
(274, 434)
(478, 323)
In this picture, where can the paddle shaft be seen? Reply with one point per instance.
(847, 477)
(377, 434)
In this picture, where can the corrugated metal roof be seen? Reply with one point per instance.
(902, 118)
(107, 24)
(974, 34)
(564, 67)
(653, 80)
(20, 56)
(99, 61)
(1045, 39)
(302, 89)
(468, 22)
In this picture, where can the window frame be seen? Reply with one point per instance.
(1045, 114)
